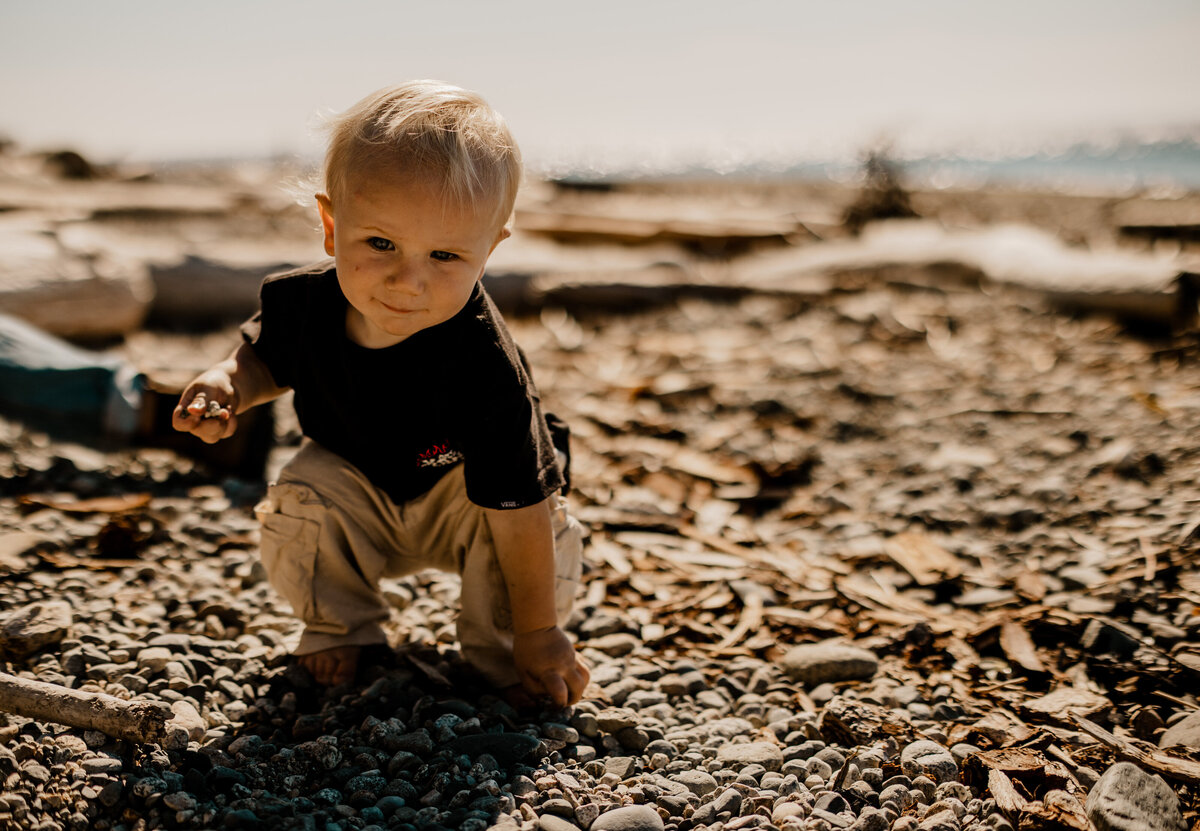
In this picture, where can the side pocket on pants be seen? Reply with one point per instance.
(568, 547)
(291, 529)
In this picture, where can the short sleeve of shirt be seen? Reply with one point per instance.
(274, 331)
(510, 460)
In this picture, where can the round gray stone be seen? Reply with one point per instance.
(34, 626)
(1185, 732)
(184, 715)
(549, 822)
(727, 727)
(942, 819)
(962, 750)
(753, 753)
(728, 800)
(630, 818)
(154, 658)
(930, 759)
(696, 781)
(820, 663)
(785, 810)
(1128, 799)
(613, 719)
(101, 764)
(818, 767)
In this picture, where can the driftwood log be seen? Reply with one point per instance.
(134, 721)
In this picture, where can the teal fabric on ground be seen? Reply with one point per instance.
(40, 373)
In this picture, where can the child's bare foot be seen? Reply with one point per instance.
(332, 666)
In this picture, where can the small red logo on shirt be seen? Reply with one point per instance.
(440, 455)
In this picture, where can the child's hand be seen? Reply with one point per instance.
(206, 408)
(548, 665)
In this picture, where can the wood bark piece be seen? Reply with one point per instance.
(1056, 811)
(1030, 585)
(1159, 218)
(750, 621)
(1131, 284)
(1064, 703)
(721, 232)
(999, 728)
(851, 723)
(1171, 767)
(889, 606)
(134, 721)
(1018, 647)
(927, 562)
(1017, 761)
(1036, 773)
(1008, 800)
(100, 504)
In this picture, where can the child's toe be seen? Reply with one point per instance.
(316, 666)
(344, 666)
(332, 667)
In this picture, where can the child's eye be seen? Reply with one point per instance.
(380, 244)
(443, 256)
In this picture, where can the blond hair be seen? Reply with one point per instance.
(428, 129)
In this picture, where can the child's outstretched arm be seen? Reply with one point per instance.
(210, 404)
(543, 655)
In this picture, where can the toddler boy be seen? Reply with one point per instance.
(425, 444)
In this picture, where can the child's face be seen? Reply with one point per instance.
(406, 258)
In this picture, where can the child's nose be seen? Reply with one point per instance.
(405, 277)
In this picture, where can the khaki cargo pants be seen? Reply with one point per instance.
(329, 535)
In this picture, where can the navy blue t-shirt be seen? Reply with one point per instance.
(457, 392)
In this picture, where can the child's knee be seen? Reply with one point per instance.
(290, 518)
(325, 566)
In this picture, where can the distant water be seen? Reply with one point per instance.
(1172, 165)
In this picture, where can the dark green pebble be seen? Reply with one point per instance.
(243, 818)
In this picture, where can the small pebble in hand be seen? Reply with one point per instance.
(214, 410)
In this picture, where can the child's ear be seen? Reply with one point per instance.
(504, 234)
(325, 207)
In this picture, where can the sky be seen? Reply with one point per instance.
(654, 80)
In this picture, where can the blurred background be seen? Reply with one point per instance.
(1068, 91)
(156, 154)
(871, 320)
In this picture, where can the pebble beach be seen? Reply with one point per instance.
(908, 547)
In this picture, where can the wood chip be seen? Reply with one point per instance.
(98, 505)
(1186, 771)
(927, 562)
(13, 544)
(1018, 647)
(1061, 705)
(612, 554)
(750, 620)
(1008, 800)
(849, 723)
(1030, 585)
(1056, 811)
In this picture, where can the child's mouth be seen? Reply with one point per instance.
(395, 310)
